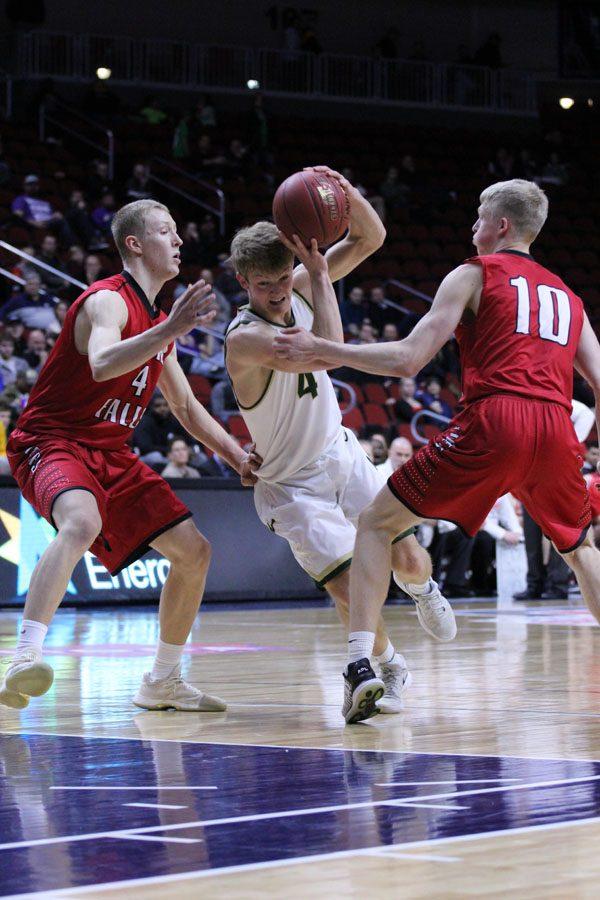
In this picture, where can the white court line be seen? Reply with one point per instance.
(160, 840)
(499, 781)
(290, 813)
(298, 860)
(147, 787)
(154, 806)
(109, 737)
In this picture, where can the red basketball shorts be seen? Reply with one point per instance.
(498, 445)
(136, 505)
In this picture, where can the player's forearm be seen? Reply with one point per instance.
(326, 322)
(125, 356)
(201, 425)
(392, 358)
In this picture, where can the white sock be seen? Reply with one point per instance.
(421, 588)
(31, 636)
(168, 656)
(360, 644)
(388, 656)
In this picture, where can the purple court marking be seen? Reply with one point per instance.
(271, 805)
(112, 650)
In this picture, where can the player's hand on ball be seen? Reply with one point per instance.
(195, 307)
(250, 462)
(311, 258)
(296, 344)
(331, 173)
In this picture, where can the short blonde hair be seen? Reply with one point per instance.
(258, 249)
(131, 219)
(522, 202)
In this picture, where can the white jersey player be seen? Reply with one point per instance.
(315, 478)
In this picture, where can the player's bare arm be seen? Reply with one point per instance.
(327, 322)
(251, 358)
(587, 363)
(366, 234)
(198, 422)
(104, 316)
(460, 290)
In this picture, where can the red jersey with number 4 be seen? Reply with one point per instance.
(67, 402)
(524, 338)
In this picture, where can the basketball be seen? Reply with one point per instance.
(311, 205)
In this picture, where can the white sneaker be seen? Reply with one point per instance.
(434, 612)
(175, 693)
(396, 679)
(26, 676)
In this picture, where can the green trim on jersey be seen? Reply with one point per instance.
(407, 533)
(302, 297)
(332, 571)
(274, 324)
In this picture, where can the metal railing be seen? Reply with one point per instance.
(421, 414)
(69, 121)
(176, 64)
(33, 261)
(175, 176)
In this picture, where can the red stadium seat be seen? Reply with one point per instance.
(354, 419)
(376, 415)
(375, 393)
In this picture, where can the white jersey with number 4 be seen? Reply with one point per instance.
(297, 416)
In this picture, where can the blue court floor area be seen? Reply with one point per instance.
(83, 811)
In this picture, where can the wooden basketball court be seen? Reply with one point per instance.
(488, 783)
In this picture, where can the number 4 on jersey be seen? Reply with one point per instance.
(140, 381)
(307, 384)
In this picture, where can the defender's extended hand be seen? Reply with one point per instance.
(249, 464)
(297, 345)
(195, 307)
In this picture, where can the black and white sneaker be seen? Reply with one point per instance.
(362, 690)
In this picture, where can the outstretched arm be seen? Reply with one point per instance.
(366, 234)
(327, 322)
(198, 422)
(110, 357)
(587, 363)
(397, 358)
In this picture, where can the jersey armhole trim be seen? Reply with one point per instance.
(303, 298)
(267, 385)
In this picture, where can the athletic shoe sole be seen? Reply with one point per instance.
(364, 701)
(12, 699)
(32, 681)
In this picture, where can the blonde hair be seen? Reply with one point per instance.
(522, 202)
(131, 219)
(258, 249)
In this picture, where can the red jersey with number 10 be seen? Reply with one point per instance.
(68, 403)
(524, 338)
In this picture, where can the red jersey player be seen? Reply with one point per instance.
(520, 331)
(70, 458)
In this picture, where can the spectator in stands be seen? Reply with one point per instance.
(48, 254)
(451, 552)
(37, 349)
(7, 420)
(365, 443)
(210, 360)
(16, 330)
(32, 307)
(98, 181)
(103, 215)
(180, 146)
(394, 192)
(223, 317)
(10, 365)
(222, 400)
(226, 282)
(525, 166)
(191, 249)
(178, 454)
(400, 452)
(237, 159)
(500, 168)
(93, 269)
(207, 161)
(216, 468)
(152, 111)
(389, 332)
(407, 403)
(367, 333)
(259, 140)
(209, 240)
(353, 310)
(592, 458)
(204, 115)
(138, 186)
(17, 393)
(78, 217)
(157, 429)
(23, 267)
(379, 448)
(75, 262)
(39, 213)
(61, 310)
(431, 399)
(554, 172)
